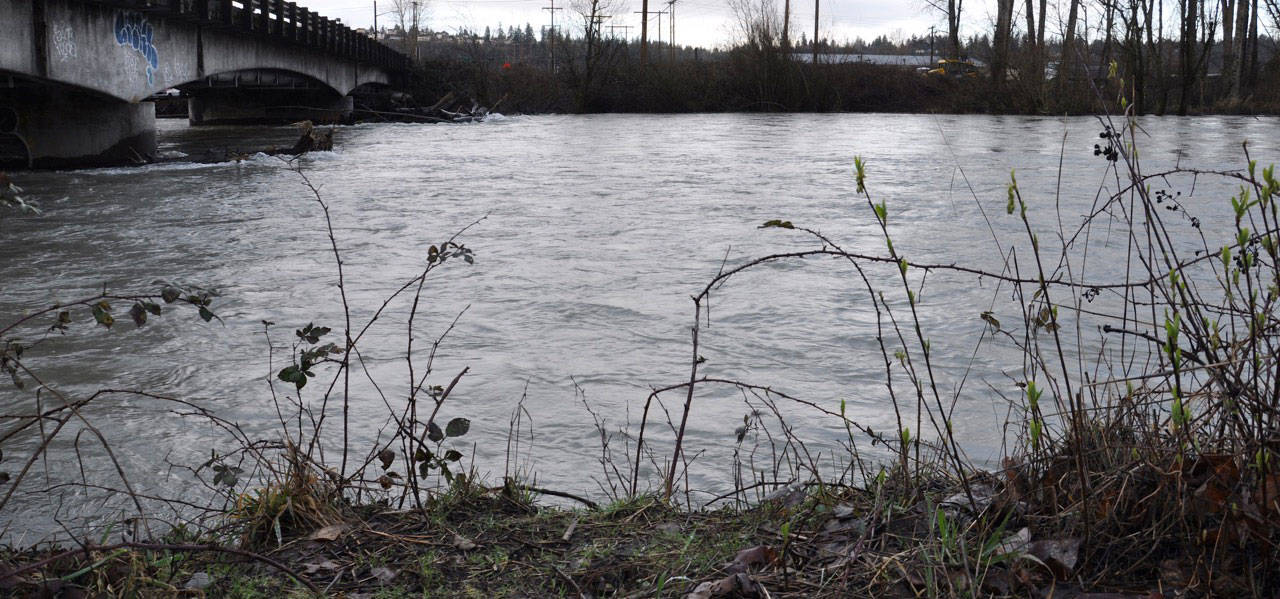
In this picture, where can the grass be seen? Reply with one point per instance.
(484, 543)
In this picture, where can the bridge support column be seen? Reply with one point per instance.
(252, 109)
(57, 130)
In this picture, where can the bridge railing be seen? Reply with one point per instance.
(275, 19)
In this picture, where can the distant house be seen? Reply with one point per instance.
(894, 60)
(910, 61)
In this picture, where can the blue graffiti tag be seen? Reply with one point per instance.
(133, 30)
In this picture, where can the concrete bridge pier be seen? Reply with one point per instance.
(270, 109)
(56, 129)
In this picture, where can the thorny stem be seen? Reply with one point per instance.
(346, 314)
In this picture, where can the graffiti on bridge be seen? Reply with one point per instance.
(132, 29)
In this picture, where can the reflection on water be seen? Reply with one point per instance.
(595, 231)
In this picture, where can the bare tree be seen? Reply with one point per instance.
(598, 53)
(951, 10)
(1000, 41)
(1229, 40)
(1066, 60)
(758, 23)
(409, 15)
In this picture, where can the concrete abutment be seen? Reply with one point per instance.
(58, 129)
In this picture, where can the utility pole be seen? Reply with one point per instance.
(644, 42)
(597, 24)
(644, 32)
(671, 40)
(786, 24)
(375, 20)
(931, 34)
(626, 31)
(552, 58)
(815, 31)
(415, 30)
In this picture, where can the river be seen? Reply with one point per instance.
(593, 233)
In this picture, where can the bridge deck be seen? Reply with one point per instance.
(274, 19)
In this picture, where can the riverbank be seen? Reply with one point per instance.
(922, 534)
(762, 81)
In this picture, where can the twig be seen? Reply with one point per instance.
(164, 547)
(583, 500)
(568, 533)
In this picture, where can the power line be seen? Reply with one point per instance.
(626, 31)
(644, 28)
(671, 7)
(552, 8)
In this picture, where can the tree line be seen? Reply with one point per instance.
(1037, 56)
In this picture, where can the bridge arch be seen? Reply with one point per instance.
(130, 54)
(85, 68)
(259, 80)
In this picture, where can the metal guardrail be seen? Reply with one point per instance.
(275, 19)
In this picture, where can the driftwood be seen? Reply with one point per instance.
(441, 102)
(312, 139)
(448, 109)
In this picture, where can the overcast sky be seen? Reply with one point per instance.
(698, 22)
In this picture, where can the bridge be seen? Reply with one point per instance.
(75, 75)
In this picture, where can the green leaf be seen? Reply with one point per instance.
(780, 224)
(860, 173)
(457, 427)
(312, 333)
(101, 313)
(453, 455)
(170, 294)
(434, 433)
(991, 320)
(293, 374)
(206, 314)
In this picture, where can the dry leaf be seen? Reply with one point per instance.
(1059, 554)
(324, 564)
(1015, 543)
(747, 559)
(387, 457)
(462, 543)
(329, 533)
(383, 574)
(737, 585)
(843, 511)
